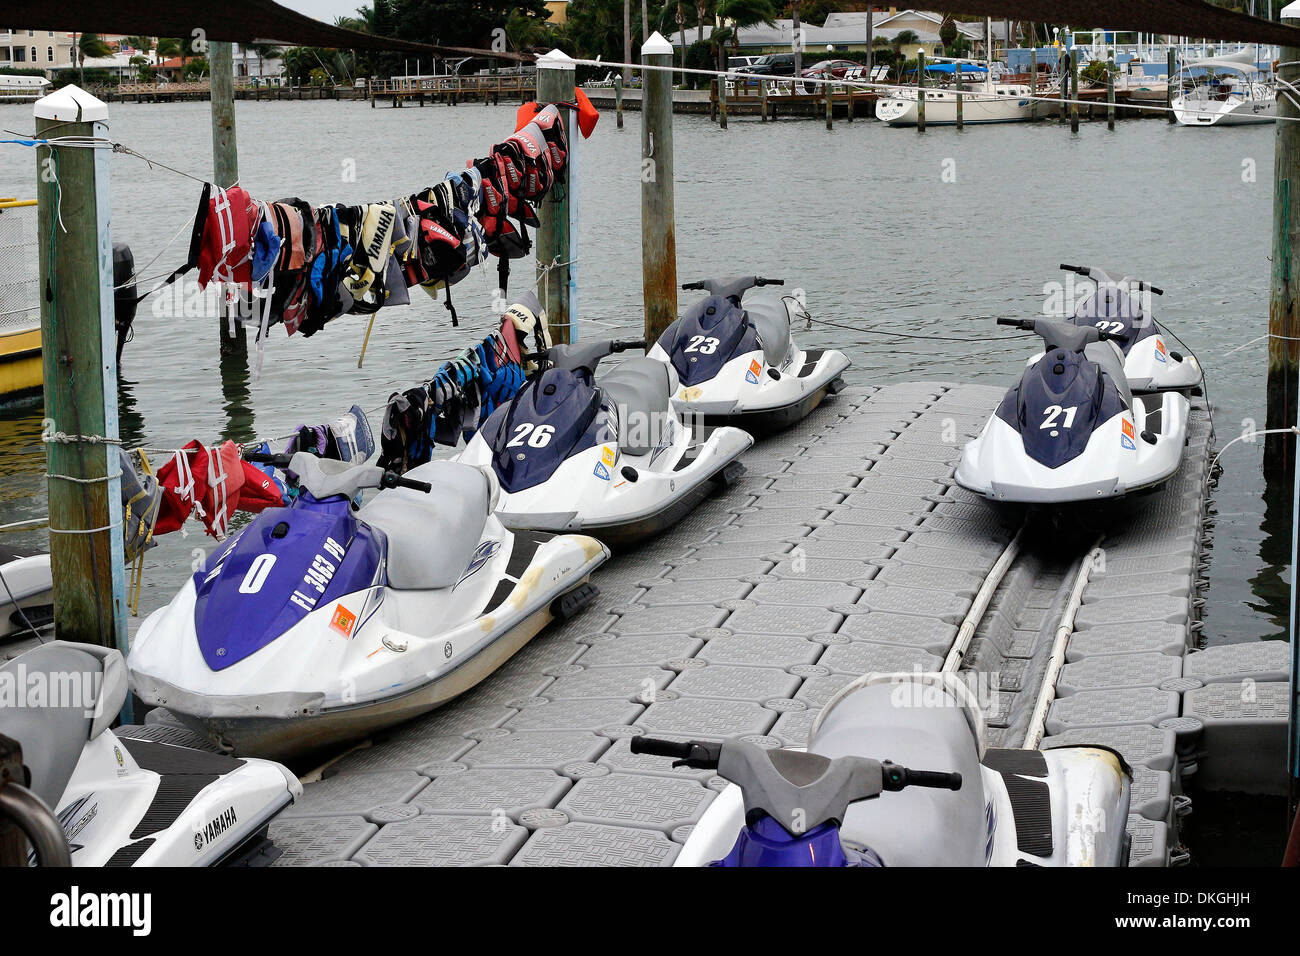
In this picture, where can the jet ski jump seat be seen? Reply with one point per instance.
(925, 722)
(770, 317)
(54, 734)
(431, 537)
(641, 389)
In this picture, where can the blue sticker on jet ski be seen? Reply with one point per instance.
(1127, 442)
(601, 472)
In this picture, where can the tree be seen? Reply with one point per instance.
(454, 22)
(139, 44)
(745, 14)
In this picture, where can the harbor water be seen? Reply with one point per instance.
(889, 233)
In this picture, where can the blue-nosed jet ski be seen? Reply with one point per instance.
(833, 805)
(609, 457)
(134, 796)
(1119, 307)
(322, 622)
(737, 363)
(1073, 430)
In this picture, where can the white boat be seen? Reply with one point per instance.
(982, 99)
(1232, 91)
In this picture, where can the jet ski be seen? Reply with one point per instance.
(832, 805)
(1118, 307)
(134, 796)
(609, 457)
(322, 622)
(26, 592)
(737, 364)
(1073, 430)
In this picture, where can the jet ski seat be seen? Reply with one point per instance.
(431, 537)
(84, 686)
(1105, 355)
(925, 724)
(772, 320)
(641, 389)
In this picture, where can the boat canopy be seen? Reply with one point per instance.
(952, 68)
(1243, 61)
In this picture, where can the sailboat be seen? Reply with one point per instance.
(1232, 91)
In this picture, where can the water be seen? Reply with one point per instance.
(863, 218)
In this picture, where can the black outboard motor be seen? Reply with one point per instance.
(1061, 398)
(124, 294)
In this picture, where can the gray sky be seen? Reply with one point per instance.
(325, 10)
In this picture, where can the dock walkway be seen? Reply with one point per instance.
(845, 548)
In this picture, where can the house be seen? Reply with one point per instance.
(263, 69)
(35, 49)
(848, 31)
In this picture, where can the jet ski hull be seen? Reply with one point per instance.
(27, 594)
(1117, 460)
(745, 394)
(315, 686)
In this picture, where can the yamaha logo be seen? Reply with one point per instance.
(446, 649)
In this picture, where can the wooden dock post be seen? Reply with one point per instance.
(80, 368)
(961, 114)
(1171, 66)
(1074, 93)
(1033, 84)
(850, 92)
(225, 169)
(555, 84)
(722, 101)
(618, 95)
(828, 93)
(1063, 68)
(1283, 390)
(920, 91)
(762, 98)
(658, 228)
(1110, 91)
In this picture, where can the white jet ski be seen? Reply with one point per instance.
(737, 363)
(1120, 307)
(130, 797)
(609, 457)
(26, 592)
(1072, 430)
(322, 622)
(832, 805)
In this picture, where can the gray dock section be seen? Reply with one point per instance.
(846, 548)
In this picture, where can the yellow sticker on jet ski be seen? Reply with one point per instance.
(607, 455)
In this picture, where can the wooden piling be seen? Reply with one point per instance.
(920, 91)
(1283, 390)
(1063, 67)
(555, 84)
(618, 93)
(1170, 68)
(1110, 92)
(1074, 93)
(722, 101)
(232, 337)
(1033, 84)
(80, 368)
(827, 94)
(658, 230)
(961, 118)
(762, 99)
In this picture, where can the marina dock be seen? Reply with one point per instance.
(845, 548)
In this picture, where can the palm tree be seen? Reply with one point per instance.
(268, 51)
(745, 14)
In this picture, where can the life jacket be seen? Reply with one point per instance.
(549, 121)
(370, 257)
(202, 482)
(226, 247)
(328, 298)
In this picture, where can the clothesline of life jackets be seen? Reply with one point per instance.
(289, 262)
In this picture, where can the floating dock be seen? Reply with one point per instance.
(846, 548)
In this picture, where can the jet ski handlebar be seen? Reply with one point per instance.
(727, 287)
(703, 755)
(582, 355)
(1044, 326)
(1100, 276)
(336, 477)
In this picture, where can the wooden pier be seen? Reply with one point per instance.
(453, 89)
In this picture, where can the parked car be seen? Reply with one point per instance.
(740, 63)
(836, 68)
(773, 64)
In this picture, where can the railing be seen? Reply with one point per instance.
(20, 309)
(413, 85)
